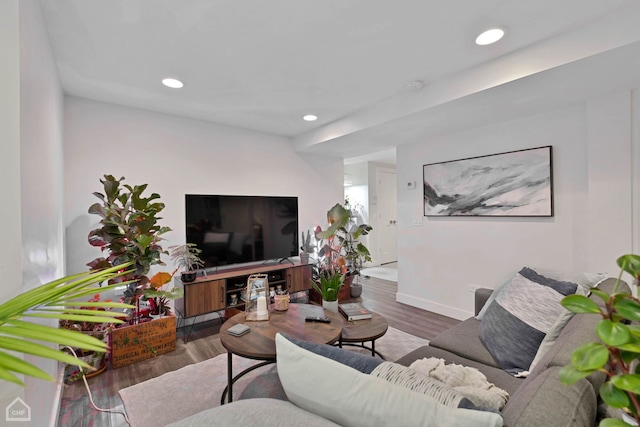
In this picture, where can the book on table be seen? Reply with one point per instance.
(354, 311)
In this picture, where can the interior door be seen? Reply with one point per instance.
(387, 215)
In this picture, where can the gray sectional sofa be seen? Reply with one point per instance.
(539, 400)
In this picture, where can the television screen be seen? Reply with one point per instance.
(240, 229)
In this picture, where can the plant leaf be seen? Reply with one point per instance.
(11, 363)
(56, 335)
(28, 347)
(613, 333)
(613, 422)
(8, 376)
(630, 263)
(628, 309)
(76, 317)
(579, 304)
(628, 382)
(569, 374)
(601, 294)
(613, 396)
(590, 356)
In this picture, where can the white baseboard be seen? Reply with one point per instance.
(55, 411)
(428, 305)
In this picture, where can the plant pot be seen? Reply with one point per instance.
(344, 293)
(330, 305)
(356, 290)
(304, 258)
(94, 359)
(188, 276)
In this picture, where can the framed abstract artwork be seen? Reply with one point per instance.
(516, 183)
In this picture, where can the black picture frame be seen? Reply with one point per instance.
(510, 184)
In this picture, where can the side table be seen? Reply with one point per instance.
(357, 332)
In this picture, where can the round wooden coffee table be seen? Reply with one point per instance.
(260, 343)
(357, 332)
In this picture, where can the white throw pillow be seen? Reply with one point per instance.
(350, 398)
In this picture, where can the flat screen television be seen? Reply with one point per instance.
(242, 229)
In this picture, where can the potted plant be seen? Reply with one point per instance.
(307, 247)
(341, 240)
(95, 359)
(57, 300)
(618, 352)
(328, 285)
(129, 233)
(158, 297)
(187, 257)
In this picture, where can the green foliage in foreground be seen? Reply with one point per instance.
(54, 300)
(618, 352)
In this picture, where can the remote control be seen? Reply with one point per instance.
(317, 319)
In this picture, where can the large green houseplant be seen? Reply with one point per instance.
(54, 300)
(129, 232)
(618, 352)
(340, 249)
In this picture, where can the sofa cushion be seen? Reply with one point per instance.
(520, 317)
(464, 340)
(543, 401)
(264, 385)
(391, 372)
(586, 281)
(350, 398)
(255, 412)
(580, 330)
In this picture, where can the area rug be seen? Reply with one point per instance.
(381, 272)
(194, 388)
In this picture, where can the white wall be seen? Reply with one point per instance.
(10, 249)
(41, 171)
(592, 173)
(178, 156)
(31, 165)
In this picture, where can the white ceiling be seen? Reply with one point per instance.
(262, 65)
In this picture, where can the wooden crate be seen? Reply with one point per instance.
(134, 343)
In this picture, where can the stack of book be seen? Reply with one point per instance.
(354, 311)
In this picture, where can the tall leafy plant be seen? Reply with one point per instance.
(129, 232)
(618, 352)
(341, 240)
(55, 300)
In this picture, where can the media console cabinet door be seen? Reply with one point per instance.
(299, 278)
(204, 297)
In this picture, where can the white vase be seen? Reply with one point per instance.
(330, 305)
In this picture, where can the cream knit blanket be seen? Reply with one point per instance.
(468, 381)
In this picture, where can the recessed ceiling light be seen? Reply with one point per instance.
(172, 83)
(490, 36)
(310, 117)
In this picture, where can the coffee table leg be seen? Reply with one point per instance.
(229, 378)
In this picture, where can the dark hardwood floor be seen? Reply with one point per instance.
(76, 410)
